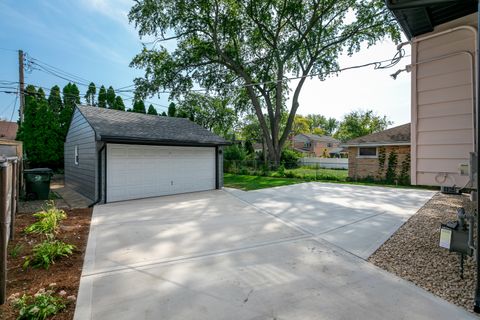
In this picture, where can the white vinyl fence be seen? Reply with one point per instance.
(328, 163)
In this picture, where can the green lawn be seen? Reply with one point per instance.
(245, 182)
(320, 173)
(256, 182)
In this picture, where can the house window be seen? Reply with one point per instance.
(329, 145)
(367, 152)
(76, 155)
(307, 145)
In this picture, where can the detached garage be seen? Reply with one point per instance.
(113, 155)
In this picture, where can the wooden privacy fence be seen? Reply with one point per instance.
(9, 189)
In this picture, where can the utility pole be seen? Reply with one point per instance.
(21, 81)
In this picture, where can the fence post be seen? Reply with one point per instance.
(14, 201)
(3, 230)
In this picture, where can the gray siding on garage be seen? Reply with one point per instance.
(81, 177)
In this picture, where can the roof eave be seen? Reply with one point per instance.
(134, 140)
(376, 144)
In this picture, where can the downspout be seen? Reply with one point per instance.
(99, 166)
(476, 303)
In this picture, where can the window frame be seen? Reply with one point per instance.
(367, 156)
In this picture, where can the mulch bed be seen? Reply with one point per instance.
(413, 252)
(65, 272)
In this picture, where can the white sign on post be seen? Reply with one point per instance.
(445, 238)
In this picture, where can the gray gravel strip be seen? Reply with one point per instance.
(413, 252)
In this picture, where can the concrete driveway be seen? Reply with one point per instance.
(255, 255)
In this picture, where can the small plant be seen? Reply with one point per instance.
(281, 170)
(39, 306)
(45, 253)
(48, 220)
(16, 250)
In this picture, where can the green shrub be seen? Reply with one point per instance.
(234, 152)
(45, 253)
(48, 220)
(289, 158)
(281, 170)
(290, 174)
(39, 306)
(243, 171)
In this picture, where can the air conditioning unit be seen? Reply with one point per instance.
(450, 190)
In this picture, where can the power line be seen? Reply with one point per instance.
(8, 49)
(13, 111)
(376, 64)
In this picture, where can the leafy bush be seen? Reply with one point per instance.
(45, 253)
(290, 174)
(234, 152)
(289, 158)
(281, 170)
(39, 306)
(48, 220)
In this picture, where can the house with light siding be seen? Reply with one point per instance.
(312, 145)
(443, 89)
(370, 156)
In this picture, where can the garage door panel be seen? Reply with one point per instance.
(135, 171)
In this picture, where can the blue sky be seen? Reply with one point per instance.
(92, 39)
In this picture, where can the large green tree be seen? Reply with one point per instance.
(102, 97)
(318, 121)
(213, 113)
(71, 97)
(90, 94)
(119, 105)
(359, 123)
(139, 106)
(152, 110)
(57, 134)
(110, 98)
(39, 131)
(249, 49)
(172, 110)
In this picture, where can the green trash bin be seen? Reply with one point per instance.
(37, 183)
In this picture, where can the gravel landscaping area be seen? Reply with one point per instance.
(413, 252)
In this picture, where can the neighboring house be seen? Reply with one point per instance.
(312, 145)
(8, 130)
(368, 156)
(113, 155)
(8, 146)
(443, 86)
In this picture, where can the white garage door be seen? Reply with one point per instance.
(135, 171)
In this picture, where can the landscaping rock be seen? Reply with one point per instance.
(413, 252)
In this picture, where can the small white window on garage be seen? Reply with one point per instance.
(76, 155)
(367, 152)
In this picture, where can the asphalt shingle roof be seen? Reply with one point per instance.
(315, 137)
(115, 124)
(392, 136)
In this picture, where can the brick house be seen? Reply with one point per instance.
(8, 130)
(381, 156)
(312, 145)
